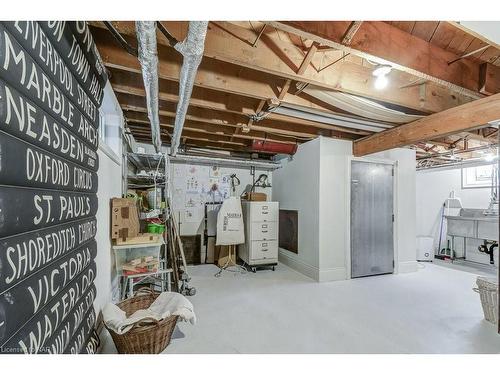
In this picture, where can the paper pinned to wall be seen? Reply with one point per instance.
(215, 171)
(192, 184)
(193, 199)
(225, 186)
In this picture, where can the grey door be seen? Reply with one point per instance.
(372, 247)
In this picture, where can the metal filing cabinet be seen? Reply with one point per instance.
(261, 234)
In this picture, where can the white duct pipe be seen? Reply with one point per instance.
(148, 57)
(268, 166)
(191, 49)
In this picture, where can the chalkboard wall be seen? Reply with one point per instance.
(51, 87)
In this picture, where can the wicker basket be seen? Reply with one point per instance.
(145, 337)
(488, 292)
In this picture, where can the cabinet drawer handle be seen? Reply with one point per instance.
(264, 245)
(264, 207)
(264, 225)
(265, 249)
(264, 231)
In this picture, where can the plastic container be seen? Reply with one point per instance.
(124, 254)
(155, 228)
(488, 292)
(425, 250)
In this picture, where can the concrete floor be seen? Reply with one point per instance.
(433, 310)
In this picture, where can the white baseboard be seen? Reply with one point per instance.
(298, 265)
(405, 267)
(333, 274)
(330, 274)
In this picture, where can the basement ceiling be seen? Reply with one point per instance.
(251, 67)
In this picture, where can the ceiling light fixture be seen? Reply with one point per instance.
(381, 72)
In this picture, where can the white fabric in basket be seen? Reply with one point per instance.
(165, 305)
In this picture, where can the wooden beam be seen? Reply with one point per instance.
(280, 59)
(200, 144)
(143, 130)
(274, 123)
(380, 42)
(267, 126)
(351, 31)
(212, 74)
(235, 104)
(466, 117)
(202, 97)
(134, 117)
(302, 68)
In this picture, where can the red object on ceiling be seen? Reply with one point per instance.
(274, 147)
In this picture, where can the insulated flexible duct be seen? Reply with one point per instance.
(148, 57)
(191, 49)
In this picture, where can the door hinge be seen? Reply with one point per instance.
(393, 265)
(393, 218)
(392, 172)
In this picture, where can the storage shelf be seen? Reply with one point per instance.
(147, 162)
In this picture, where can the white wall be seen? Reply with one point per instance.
(433, 186)
(109, 187)
(296, 187)
(245, 177)
(316, 182)
(334, 208)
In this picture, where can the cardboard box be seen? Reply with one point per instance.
(124, 218)
(256, 197)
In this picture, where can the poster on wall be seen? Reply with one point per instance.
(49, 139)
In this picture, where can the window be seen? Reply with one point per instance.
(477, 177)
(111, 123)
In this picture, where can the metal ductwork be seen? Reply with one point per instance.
(191, 49)
(148, 57)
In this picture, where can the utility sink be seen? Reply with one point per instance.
(473, 223)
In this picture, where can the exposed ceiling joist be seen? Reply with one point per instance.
(212, 74)
(281, 59)
(351, 31)
(197, 143)
(135, 117)
(236, 121)
(383, 43)
(466, 117)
